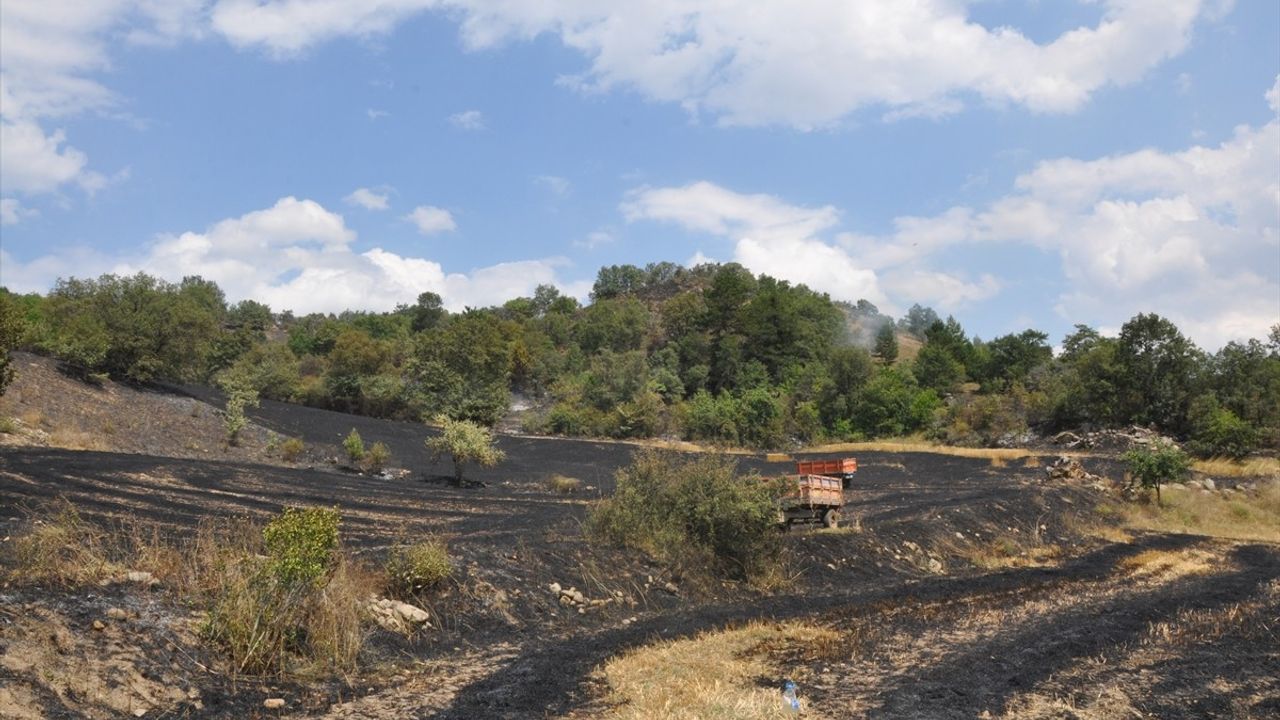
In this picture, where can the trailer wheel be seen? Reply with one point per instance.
(831, 518)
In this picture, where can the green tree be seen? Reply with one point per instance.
(462, 369)
(886, 345)
(1158, 463)
(11, 328)
(466, 443)
(1158, 370)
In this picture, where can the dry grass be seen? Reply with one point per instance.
(924, 446)
(1239, 517)
(1168, 565)
(1226, 467)
(1009, 552)
(76, 439)
(712, 676)
(563, 484)
(262, 623)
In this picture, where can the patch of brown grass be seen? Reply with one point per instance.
(924, 446)
(76, 439)
(1171, 564)
(1240, 516)
(711, 676)
(1226, 467)
(563, 484)
(1007, 551)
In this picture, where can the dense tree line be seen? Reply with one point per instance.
(710, 353)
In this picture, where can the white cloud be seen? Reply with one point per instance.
(554, 184)
(467, 120)
(750, 63)
(295, 255)
(49, 49)
(12, 212)
(770, 235)
(1193, 235)
(376, 114)
(430, 219)
(368, 199)
(595, 239)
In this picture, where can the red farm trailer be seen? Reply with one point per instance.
(811, 498)
(842, 468)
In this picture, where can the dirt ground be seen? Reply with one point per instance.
(1149, 626)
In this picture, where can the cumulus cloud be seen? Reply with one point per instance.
(430, 219)
(368, 199)
(49, 50)
(553, 184)
(296, 255)
(12, 212)
(467, 120)
(752, 63)
(1193, 235)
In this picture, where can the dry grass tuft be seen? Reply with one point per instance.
(998, 462)
(60, 547)
(711, 676)
(924, 446)
(1171, 564)
(1226, 467)
(563, 484)
(1240, 516)
(1032, 461)
(1010, 552)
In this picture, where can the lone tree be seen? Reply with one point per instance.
(465, 442)
(1157, 463)
(887, 344)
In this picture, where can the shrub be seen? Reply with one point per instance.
(465, 442)
(1218, 432)
(354, 446)
(234, 420)
(563, 484)
(694, 513)
(377, 457)
(291, 449)
(411, 569)
(1157, 463)
(8, 425)
(301, 543)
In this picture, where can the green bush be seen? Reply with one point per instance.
(694, 513)
(1218, 432)
(411, 569)
(465, 443)
(301, 544)
(354, 446)
(376, 459)
(291, 449)
(1158, 463)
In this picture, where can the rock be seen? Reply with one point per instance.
(555, 588)
(116, 613)
(273, 703)
(141, 577)
(1209, 484)
(935, 566)
(410, 613)
(139, 712)
(582, 611)
(671, 588)
(575, 596)
(1195, 485)
(99, 625)
(911, 545)
(959, 535)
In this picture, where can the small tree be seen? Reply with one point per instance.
(240, 394)
(887, 344)
(1157, 463)
(465, 442)
(354, 445)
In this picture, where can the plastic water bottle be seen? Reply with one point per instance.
(789, 698)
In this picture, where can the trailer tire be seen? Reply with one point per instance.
(831, 518)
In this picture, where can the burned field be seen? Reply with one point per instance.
(965, 588)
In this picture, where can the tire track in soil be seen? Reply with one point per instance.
(551, 679)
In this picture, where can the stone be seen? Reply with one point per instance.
(1209, 484)
(273, 703)
(141, 577)
(410, 613)
(555, 588)
(116, 613)
(1195, 485)
(671, 588)
(99, 625)
(934, 565)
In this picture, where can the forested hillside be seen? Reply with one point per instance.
(711, 353)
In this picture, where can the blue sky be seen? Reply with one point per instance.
(1016, 164)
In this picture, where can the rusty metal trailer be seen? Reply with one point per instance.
(811, 498)
(842, 468)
